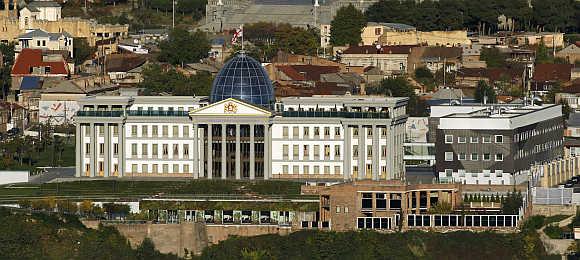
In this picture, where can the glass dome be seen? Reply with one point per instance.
(243, 78)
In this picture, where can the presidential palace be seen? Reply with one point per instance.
(241, 131)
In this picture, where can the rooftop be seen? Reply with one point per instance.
(32, 58)
(372, 49)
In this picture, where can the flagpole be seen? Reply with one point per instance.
(242, 30)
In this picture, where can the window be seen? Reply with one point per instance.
(461, 156)
(295, 151)
(486, 157)
(306, 152)
(144, 168)
(383, 132)
(316, 169)
(295, 169)
(474, 156)
(461, 139)
(316, 132)
(326, 132)
(367, 201)
(369, 151)
(285, 132)
(165, 168)
(449, 156)
(186, 168)
(355, 151)
(285, 149)
(306, 169)
(355, 131)
(101, 129)
(175, 150)
(355, 170)
(154, 131)
(448, 172)
(144, 149)
(87, 148)
(498, 157)
(101, 148)
(336, 151)
(326, 151)
(165, 149)
(186, 150)
(134, 149)
(175, 131)
(499, 138)
(115, 149)
(336, 132)
(326, 170)
(306, 132)
(486, 139)
(144, 131)
(448, 139)
(154, 150)
(134, 130)
(285, 169)
(176, 168)
(337, 209)
(317, 152)
(336, 169)
(474, 140)
(381, 200)
(134, 168)
(369, 132)
(165, 130)
(154, 168)
(115, 130)
(383, 151)
(185, 131)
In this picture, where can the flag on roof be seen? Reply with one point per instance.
(239, 33)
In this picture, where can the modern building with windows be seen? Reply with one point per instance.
(494, 144)
(241, 132)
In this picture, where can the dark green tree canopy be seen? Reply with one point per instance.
(157, 80)
(400, 87)
(347, 26)
(184, 47)
(484, 90)
(82, 51)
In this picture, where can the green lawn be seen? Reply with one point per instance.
(126, 188)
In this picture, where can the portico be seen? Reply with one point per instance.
(231, 141)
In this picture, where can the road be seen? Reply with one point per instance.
(51, 174)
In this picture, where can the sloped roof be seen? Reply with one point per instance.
(42, 33)
(124, 62)
(442, 52)
(30, 83)
(448, 93)
(553, 72)
(29, 58)
(572, 49)
(43, 4)
(307, 72)
(372, 49)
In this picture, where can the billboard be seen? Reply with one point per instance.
(57, 112)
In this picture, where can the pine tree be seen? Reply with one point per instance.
(347, 26)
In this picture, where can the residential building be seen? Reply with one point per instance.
(40, 39)
(571, 53)
(432, 38)
(435, 58)
(240, 132)
(391, 60)
(547, 76)
(35, 63)
(494, 144)
(373, 31)
(12, 115)
(471, 56)
(125, 68)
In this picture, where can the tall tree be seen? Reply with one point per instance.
(346, 28)
(400, 87)
(7, 51)
(184, 47)
(484, 90)
(82, 50)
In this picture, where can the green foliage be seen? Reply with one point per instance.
(558, 15)
(7, 50)
(268, 38)
(534, 222)
(82, 50)
(550, 97)
(41, 236)
(184, 47)
(27, 153)
(347, 25)
(553, 231)
(512, 203)
(493, 57)
(400, 87)
(373, 245)
(116, 209)
(157, 80)
(441, 208)
(426, 78)
(484, 90)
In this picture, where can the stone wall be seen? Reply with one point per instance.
(551, 210)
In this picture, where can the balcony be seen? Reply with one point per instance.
(156, 113)
(339, 114)
(97, 113)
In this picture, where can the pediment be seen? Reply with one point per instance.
(230, 107)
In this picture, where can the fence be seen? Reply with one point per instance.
(552, 196)
(467, 221)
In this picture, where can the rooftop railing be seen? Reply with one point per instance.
(340, 114)
(97, 113)
(156, 113)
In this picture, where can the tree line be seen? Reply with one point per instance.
(480, 16)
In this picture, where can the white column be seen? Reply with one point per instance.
(195, 152)
(238, 153)
(252, 155)
(224, 154)
(267, 142)
(209, 151)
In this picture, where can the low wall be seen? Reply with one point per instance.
(174, 238)
(551, 210)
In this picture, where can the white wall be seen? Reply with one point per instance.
(8, 177)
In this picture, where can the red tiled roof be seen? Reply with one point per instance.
(372, 49)
(29, 58)
(307, 72)
(553, 72)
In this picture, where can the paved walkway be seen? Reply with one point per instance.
(556, 246)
